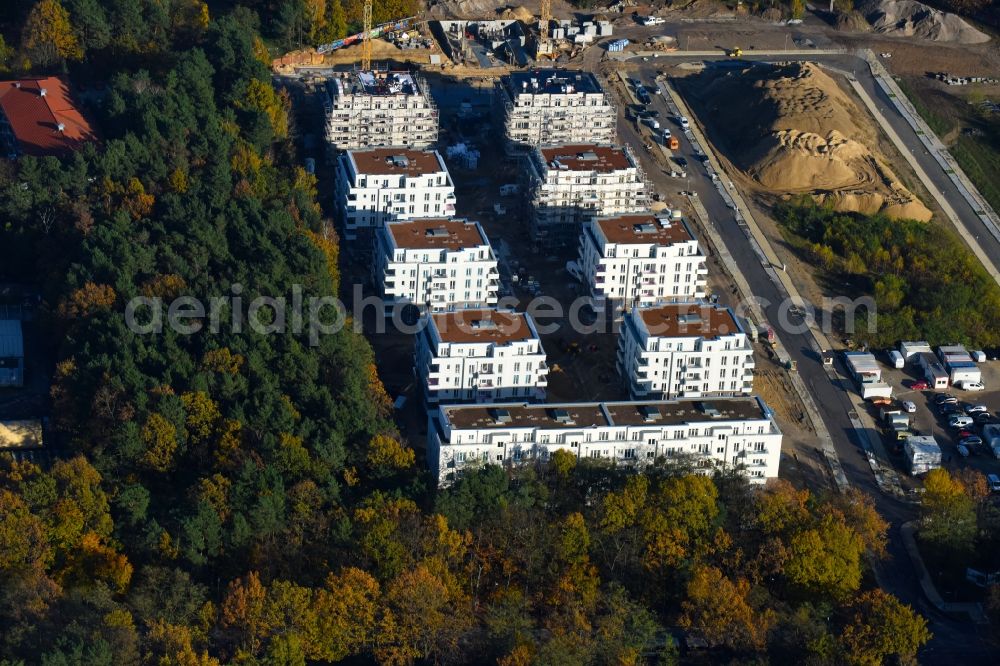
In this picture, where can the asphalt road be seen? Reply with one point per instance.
(966, 214)
(953, 639)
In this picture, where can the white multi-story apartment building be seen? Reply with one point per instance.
(373, 108)
(552, 106)
(684, 350)
(381, 184)
(642, 259)
(724, 434)
(443, 264)
(570, 185)
(480, 355)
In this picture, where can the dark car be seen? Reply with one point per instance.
(943, 398)
(982, 418)
(947, 409)
(680, 161)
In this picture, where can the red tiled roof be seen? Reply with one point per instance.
(434, 234)
(588, 157)
(35, 118)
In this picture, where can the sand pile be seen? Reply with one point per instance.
(793, 130)
(853, 21)
(518, 14)
(908, 18)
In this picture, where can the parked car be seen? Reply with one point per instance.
(958, 422)
(684, 122)
(681, 162)
(948, 408)
(972, 440)
(962, 434)
(920, 385)
(982, 418)
(976, 409)
(909, 406)
(942, 398)
(963, 450)
(994, 482)
(971, 386)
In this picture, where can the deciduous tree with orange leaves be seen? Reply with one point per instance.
(48, 35)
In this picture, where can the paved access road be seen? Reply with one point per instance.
(953, 638)
(969, 224)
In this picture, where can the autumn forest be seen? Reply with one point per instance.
(243, 498)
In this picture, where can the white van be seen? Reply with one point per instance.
(959, 422)
(994, 482)
(971, 386)
(896, 359)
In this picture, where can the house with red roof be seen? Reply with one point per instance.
(38, 117)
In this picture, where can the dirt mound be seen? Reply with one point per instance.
(518, 14)
(793, 130)
(908, 18)
(853, 22)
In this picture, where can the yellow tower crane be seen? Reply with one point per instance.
(366, 39)
(544, 17)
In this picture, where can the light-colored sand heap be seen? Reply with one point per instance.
(908, 18)
(793, 130)
(518, 14)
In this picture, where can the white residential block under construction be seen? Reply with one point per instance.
(440, 264)
(381, 184)
(726, 434)
(551, 106)
(684, 350)
(379, 108)
(480, 356)
(641, 259)
(569, 185)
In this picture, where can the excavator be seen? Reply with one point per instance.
(736, 52)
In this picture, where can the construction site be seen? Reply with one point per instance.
(379, 107)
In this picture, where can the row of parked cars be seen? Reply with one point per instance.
(973, 424)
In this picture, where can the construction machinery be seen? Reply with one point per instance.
(366, 44)
(736, 52)
(544, 18)
(372, 32)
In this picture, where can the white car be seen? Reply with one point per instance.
(959, 422)
(971, 386)
(683, 121)
(666, 134)
(909, 406)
